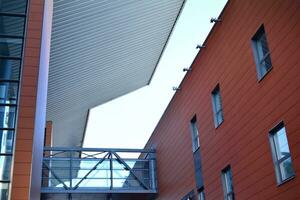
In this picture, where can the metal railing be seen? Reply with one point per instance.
(95, 170)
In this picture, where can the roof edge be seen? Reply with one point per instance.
(166, 43)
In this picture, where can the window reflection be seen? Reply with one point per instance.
(8, 93)
(11, 47)
(6, 141)
(9, 69)
(11, 25)
(13, 6)
(5, 163)
(7, 116)
(4, 191)
(281, 154)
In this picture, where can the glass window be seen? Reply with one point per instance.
(11, 25)
(227, 184)
(217, 106)
(195, 134)
(11, 47)
(189, 196)
(201, 195)
(4, 187)
(261, 52)
(13, 6)
(9, 69)
(7, 116)
(8, 93)
(6, 141)
(5, 165)
(281, 153)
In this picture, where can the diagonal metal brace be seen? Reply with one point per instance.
(55, 176)
(95, 167)
(120, 160)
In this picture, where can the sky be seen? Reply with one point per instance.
(128, 121)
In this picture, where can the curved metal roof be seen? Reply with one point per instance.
(100, 50)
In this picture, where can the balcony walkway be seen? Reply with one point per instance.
(94, 173)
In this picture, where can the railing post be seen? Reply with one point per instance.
(152, 170)
(70, 170)
(111, 170)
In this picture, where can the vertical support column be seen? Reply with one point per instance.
(152, 170)
(70, 170)
(111, 171)
(41, 99)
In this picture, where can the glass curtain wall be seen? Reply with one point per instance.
(12, 25)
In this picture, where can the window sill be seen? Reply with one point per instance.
(263, 77)
(285, 181)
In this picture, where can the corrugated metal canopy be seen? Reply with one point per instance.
(100, 50)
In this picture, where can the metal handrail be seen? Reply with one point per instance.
(67, 149)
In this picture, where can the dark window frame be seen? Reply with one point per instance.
(189, 196)
(195, 133)
(200, 193)
(277, 161)
(228, 195)
(260, 62)
(216, 93)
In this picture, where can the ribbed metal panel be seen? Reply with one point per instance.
(100, 50)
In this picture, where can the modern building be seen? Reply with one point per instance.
(58, 59)
(231, 131)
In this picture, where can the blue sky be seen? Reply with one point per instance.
(128, 121)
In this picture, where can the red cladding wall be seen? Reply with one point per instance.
(251, 107)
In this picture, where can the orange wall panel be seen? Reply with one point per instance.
(251, 107)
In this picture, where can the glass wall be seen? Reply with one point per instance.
(12, 25)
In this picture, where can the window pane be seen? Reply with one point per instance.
(217, 106)
(201, 195)
(7, 116)
(227, 184)
(195, 134)
(13, 26)
(219, 117)
(286, 169)
(281, 144)
(262, 52)
(281, 153)
(9, 69)
(8, 93)
(5, 165)
(267, 63)
(10, 47)
(6, 141)
(13, 6)
(4, 191)
(218, 103)
(263, 41)
(230, 196)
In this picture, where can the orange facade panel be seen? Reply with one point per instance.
(251, 107)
